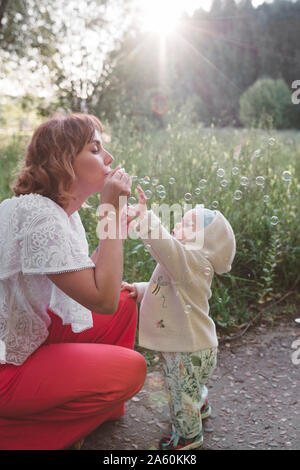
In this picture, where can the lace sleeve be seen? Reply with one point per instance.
(51, 245)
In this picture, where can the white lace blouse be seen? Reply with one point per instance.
(37, 237)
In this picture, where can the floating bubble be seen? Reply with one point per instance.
(274, 220)
(260, 180)
(202, 184)
(238, 195)
(235, 170)
(197, 191)
(147, 247)
(154, 181)
(141, 180)
(160, 187)
(286, 176)
(134, 178)
(272, 141)
(266, 198)
(244, 181)
(187, 309)
(172, 180)
(162, 194)
(111, 215)
(148, 194)
(220, 300)
(220, 172)
(187, 196)
(131, 201)
(207, 271)
(257, 153)
(214, 204)
(224, 183)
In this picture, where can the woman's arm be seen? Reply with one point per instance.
(98, 289)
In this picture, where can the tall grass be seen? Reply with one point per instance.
(264, 215)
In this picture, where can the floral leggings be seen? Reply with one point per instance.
(186, 375)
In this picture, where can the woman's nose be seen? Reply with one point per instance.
(108, 159)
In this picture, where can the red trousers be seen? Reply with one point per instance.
(72, 383)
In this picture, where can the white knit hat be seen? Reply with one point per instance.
(219, 244)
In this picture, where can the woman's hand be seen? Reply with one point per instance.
(117, 183)
(132, 289)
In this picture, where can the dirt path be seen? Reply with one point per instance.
(254, 393)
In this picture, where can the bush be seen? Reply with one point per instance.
(267, 103)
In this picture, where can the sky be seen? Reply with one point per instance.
(156, 13)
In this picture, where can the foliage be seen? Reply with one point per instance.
(266, 100)
(99, 61)
(264, 216)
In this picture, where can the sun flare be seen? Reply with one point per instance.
(161, 16)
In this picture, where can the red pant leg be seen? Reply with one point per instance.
(118, 328)
(64, 391)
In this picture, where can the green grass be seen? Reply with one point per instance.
(268, 255)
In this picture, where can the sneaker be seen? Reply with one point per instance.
(175, 442)
(205, 410)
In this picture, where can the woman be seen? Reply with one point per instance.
(66, 331)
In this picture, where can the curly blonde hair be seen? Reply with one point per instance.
(47, 168)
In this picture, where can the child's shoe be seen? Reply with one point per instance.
(205, 410)
(175, 442)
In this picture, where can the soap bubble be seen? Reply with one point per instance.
(266, 198)
(172, 180)
(187, 309)
(257, 153)
(207, 271)
(131, 201)
(188, 196)
(235, 170)
(272, 141)
(162, 194)
(214, 204)
(221, 172)
(148, 194)
(260, 180)
(238, 195)
(202, 184)
(111, 215)
(154, 181)
(134, 178)
(274, 220)
(286, 176)
(224, 183)
(147, 247)
(141, 180)
(160, 188)
(197, 191)
(244, 181)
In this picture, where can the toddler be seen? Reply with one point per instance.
(174, 311)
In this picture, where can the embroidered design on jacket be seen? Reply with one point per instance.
(160, 324)
(157, 285)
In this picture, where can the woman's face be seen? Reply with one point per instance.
(92, 165)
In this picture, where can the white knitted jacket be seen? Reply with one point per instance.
(174, 310)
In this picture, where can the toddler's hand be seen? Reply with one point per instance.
(132, 289)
